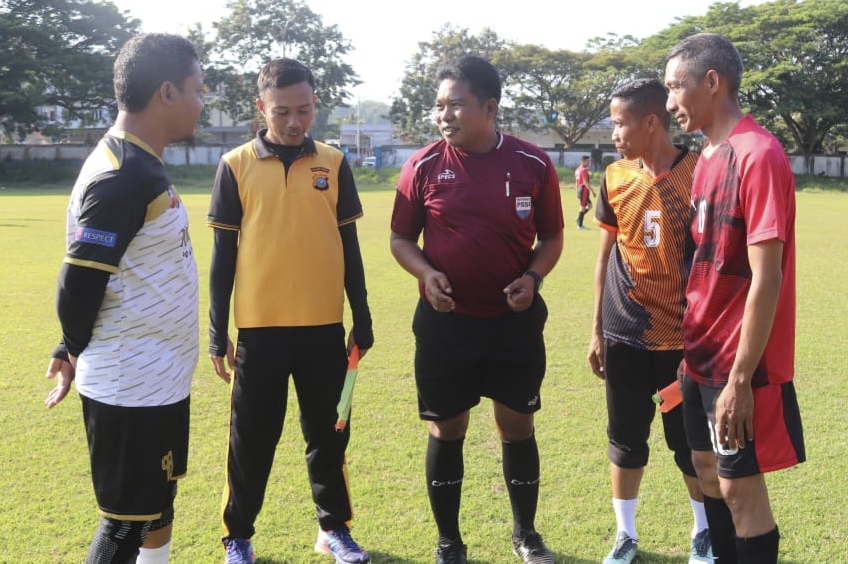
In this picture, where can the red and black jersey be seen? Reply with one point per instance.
(480, 216)
(743, 193)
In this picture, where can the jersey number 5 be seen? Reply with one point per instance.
(652, 228)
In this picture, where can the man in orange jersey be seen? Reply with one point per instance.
(640, 278)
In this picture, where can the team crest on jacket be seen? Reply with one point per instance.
(320, 182)
(175, 200)
(522, 206)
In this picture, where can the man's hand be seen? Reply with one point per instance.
(437, 290)
(520, 293)
(596, 355)
(220, 367)
(681, 373)
(65, 370)
(351, 342)
(734, 413)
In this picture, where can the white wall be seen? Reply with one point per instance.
(822, 165)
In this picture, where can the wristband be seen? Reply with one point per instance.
(537, 279)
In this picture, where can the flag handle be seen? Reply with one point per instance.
(343, 408)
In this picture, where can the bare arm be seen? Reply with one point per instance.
(546, 254)
(735, 405)
(521, 291)
(596, 341)
(437, 287)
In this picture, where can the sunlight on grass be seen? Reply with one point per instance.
(48, 507)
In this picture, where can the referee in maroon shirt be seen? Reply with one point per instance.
(489, 208)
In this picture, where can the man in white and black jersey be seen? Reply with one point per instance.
(127, 301)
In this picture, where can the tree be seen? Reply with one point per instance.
(796, 55)
(411, 111)
(212, 79)
(562, 91)
(58, 53)
(796, 70)
(257, 31)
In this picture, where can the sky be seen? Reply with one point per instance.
(385, 33)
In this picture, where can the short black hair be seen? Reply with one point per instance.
(703, 52)
(645, 96)
(284, 72)
(147, 61)
(482, 78)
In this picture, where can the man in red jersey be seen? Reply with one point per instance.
(583, 187)
(741, 413)
(481, 199)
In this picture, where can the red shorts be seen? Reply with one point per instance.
(778, 434)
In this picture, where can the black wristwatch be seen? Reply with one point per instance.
(537, 278)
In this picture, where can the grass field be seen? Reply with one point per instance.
(47, 506)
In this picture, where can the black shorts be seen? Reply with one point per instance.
(632, 377)
(583, 197)
(778, 434)
(459, 359)
(136, 454)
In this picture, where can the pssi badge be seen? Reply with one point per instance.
(320, 182)
(522, 206)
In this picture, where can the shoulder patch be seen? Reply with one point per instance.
(95, 237)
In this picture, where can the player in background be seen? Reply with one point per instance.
(636, 344)
(127, 302)
(489, 208)
(583, 188)
(741, 412)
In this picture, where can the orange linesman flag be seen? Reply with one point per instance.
(343, 408)
(669, 397)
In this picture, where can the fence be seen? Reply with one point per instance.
(24, 155)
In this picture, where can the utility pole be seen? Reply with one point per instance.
(358, 135)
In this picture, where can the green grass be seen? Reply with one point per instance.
(47, 506)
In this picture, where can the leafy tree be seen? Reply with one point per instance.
(212, 78)
(796, 56)
(58, 53)
(561, 91)
(256, 31)
(796, 69)
(411, 110)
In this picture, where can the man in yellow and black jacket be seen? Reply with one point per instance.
(283, 210)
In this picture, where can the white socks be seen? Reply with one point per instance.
(625, 515)
(159, 555)
(700, 516)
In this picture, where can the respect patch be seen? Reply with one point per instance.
(95, 237)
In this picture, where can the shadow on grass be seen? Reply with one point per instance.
(378, 557)
(647, 557)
